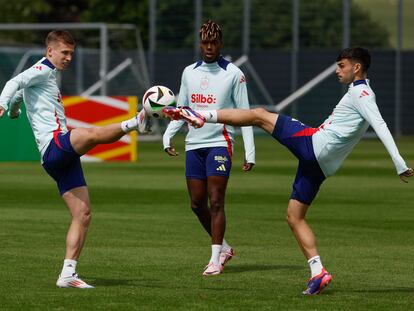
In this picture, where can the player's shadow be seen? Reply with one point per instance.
(383, 290)
(114, 282)
(255, 267)
(147, 283)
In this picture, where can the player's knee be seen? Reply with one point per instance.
(259, 111)
(292, 219)
(86, 218)
(195, 207)
(84, 214)
(91, 136)
(216, 206)
(260, 116)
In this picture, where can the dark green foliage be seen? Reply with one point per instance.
(320, 24)
(320, 21)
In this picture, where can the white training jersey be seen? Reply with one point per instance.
(37, 87)
(211, 86)
(348, 122)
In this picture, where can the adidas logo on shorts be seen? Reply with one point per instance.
(221, 168)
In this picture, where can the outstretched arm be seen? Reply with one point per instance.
(15, 104)
(241, 101)
(11, 87)
(169, 133)
(249, 148)
(12, 95)
(368, 108)
(407, 173)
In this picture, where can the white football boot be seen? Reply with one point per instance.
(225, 256)
(72, 281)
(212, 269)
(144, 122)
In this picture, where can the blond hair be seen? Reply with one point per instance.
(210, 31)
(60, 35)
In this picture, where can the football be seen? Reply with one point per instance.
(156, 98)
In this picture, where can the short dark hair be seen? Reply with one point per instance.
(357, 54)
(210, 31)
(60, 35)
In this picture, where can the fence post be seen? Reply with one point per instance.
(398, 69)
(79, 69)
(246, 27)
(346, 31)
(294, 53)
(152, 18)
(104, 57)
(198, 6)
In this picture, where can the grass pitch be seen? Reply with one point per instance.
(146, 250)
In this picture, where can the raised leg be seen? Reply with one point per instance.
(84, 139)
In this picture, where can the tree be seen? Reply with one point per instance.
(320, 24)
(320, 21)
(38, 11)
(118, 12)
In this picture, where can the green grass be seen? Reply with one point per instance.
(146, 250)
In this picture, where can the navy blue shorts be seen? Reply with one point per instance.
(204, 162)
(297, 137)
(62, 163)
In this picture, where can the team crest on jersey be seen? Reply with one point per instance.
(242, 79)
(204, 83)
(220, 159)
(363, 93)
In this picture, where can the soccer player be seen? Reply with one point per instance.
(59, 148)
(321, 150)
(211, 83)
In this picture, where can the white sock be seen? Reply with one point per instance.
(69, 267)
(225, 247)
(315, 265)
(215, 253)
(129, 125)
(210, 115)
